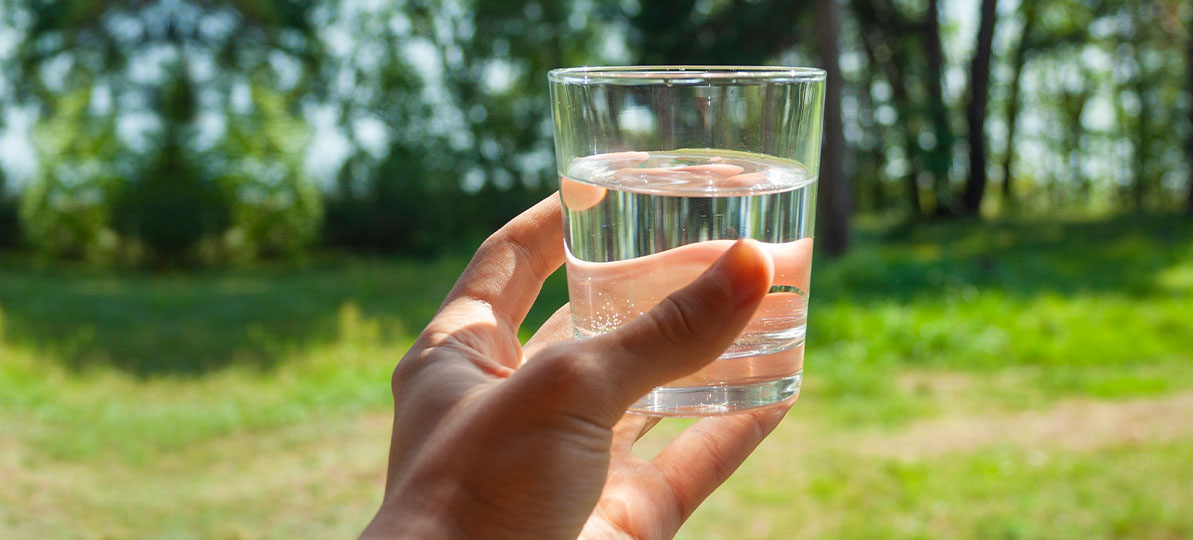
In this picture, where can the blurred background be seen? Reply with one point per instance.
(222, 222)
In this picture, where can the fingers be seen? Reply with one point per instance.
(599, 378)
(508, 270)
(651, 422)
(629, 430)
(704, 455)
(558, 328)
(687, 330)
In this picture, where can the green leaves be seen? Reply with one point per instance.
(147, 151)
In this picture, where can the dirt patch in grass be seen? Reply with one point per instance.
(1075, 425)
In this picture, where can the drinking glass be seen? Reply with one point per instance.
(661, 169)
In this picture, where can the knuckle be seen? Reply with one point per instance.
(721, 463)
(572, 383)
(491, 246)
(676, 321)
(421, 355)
(759, 428)
(522, 251)
(400, 378)
(521, 238)
(407, 370)
(556, 370)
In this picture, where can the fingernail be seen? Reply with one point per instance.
(747, 267)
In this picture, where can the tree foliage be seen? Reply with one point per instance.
(145, 151)
(190, 130)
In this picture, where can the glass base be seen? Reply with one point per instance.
(715, 400)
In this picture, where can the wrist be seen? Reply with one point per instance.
(424, 516)
(389, 525)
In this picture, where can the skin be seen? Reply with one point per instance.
(493, 440)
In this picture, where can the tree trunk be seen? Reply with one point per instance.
(1189, 90)
(1073, 106)
(1070, 107)
(941, 157)
(869, 170)
(832, 220)
(874, 27)
(975, 114)
(1143, 140)
(1018, 61)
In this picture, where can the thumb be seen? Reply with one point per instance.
(680, 335)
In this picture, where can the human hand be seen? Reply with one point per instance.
(491, 440)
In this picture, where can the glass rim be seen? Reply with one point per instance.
(684, 75)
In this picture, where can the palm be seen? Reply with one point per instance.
(652, 498)
(490, 437)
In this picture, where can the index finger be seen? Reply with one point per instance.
(703, 456)
(508, 270)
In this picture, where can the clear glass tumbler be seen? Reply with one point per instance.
(661, 169)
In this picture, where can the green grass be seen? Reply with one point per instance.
(993, 493)
(253, 403)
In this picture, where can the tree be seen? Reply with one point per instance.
(1072, 101)
(1189, 98)
(870, 149)
(832, 212)
(1138, 85)
(673, 32)
(8, 216)
(161, 66)
(1029, 13)
(883, 31)
(940, 158)
(975, 114)
(732, 32)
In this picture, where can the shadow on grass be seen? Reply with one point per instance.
(156, 324)
(184, 324)
(187, 324)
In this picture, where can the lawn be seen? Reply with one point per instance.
(1015, 379)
